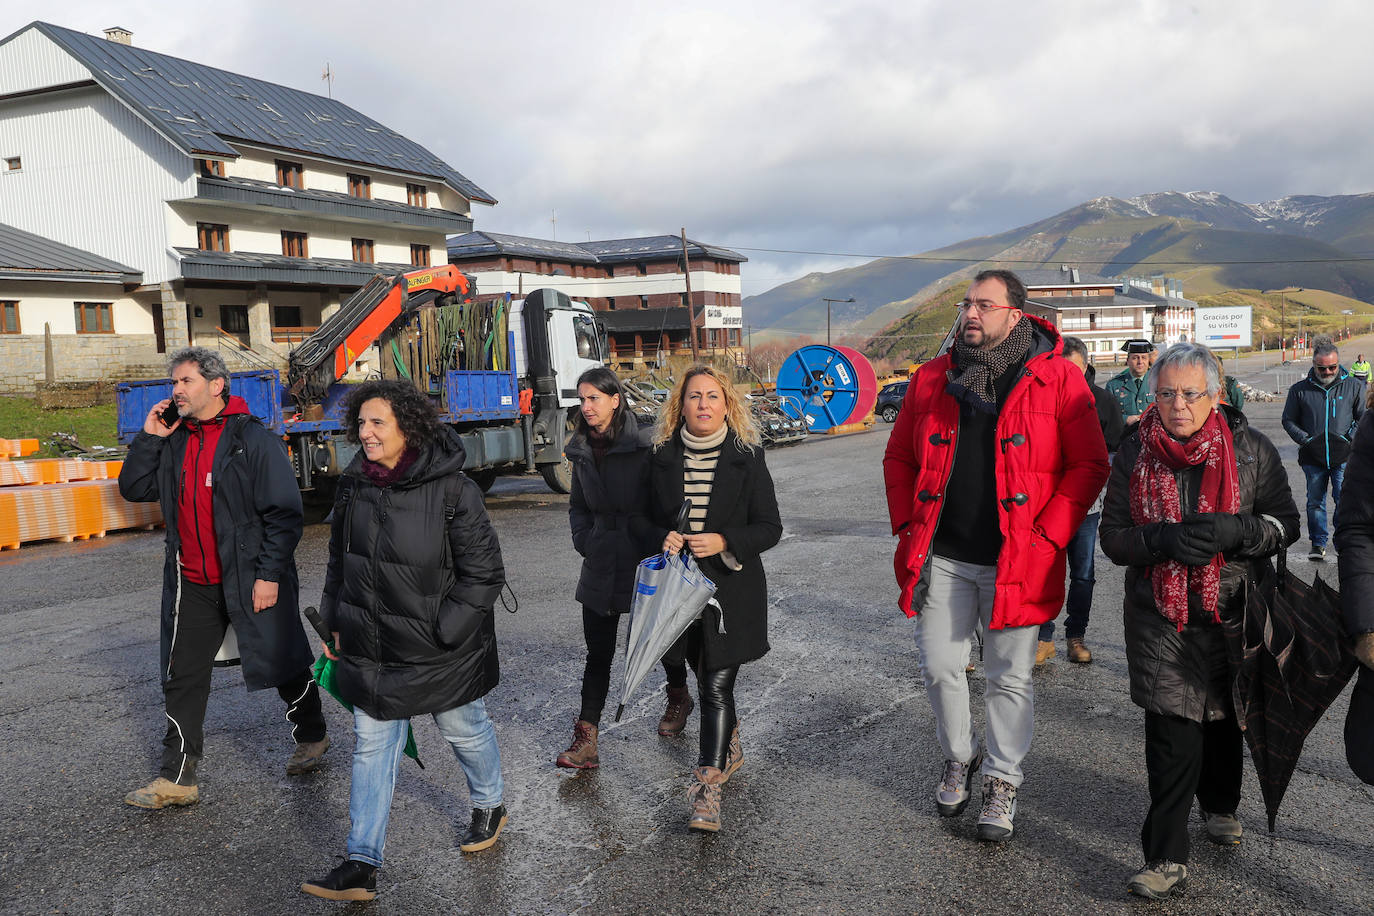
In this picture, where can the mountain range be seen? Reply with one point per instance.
(1209, 241)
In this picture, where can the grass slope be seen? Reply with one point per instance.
(21, 418)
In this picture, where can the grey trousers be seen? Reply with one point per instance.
(958, 605)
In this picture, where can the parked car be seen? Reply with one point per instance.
(890, 400)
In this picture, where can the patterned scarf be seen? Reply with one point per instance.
(1154, 498)
(975, 370)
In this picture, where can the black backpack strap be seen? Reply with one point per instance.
(453, 492)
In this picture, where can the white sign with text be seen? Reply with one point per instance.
(1223, 328)
(724, 316)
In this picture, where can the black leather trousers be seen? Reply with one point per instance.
(717, 693)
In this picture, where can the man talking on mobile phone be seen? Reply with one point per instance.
(234, 517)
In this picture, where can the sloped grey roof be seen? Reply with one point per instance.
(200, 107)
(1039, 276)
(613, 251)
(24, 255)
(244, 266)
(484, 244)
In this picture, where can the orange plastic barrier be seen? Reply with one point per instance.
(69, 511)
(17, 448)
(55, 470)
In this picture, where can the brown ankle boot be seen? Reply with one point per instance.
(705, 797)
(734, 757)
(675, 716)
(581, 755)
(1078, 653)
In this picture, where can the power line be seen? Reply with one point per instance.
(1052, 260)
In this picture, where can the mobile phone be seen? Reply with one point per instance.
(170, 414)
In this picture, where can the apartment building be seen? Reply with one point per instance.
(637, 285)
(248, 209)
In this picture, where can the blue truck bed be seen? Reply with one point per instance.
(469, 397)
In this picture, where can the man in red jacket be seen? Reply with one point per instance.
(992, 465)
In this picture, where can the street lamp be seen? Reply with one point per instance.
(827, 315)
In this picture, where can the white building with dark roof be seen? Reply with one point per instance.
(638, 287)
(1104, 312)
(248, 208)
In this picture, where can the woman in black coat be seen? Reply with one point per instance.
(414, 571)
(608, 514)
(1196, 504)
(707, 449)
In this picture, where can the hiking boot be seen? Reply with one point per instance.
(1077, 652)
(1044, 651)
(163, 793)
(581, 754)
(306, 757)
(675, 716)
(734, 757)
(956, 786)
(999, 810)
(350, 880)
(1317, 554)
(485, 828)
(1158, 880)
(704, 795)
(1223, 829)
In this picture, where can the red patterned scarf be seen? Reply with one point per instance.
(1154, 498)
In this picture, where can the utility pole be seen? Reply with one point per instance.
(827, 315)
(691, 309)
(1283, 331)
(328, 77)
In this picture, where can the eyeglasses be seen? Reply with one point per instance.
(983, 307)
(1327, 370)
(1169, 395)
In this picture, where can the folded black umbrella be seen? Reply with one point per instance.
(1293, 660)
(1359, 727)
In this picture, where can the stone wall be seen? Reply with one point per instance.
(76, 358)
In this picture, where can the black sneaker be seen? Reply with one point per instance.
(350, 880)
(1317, 554)
(485, 829)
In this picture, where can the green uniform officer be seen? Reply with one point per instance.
(1128, 386)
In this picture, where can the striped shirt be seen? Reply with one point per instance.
(699, 459)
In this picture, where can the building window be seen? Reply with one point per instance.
(362, 251)
(610, 303)
(294, 244)
(94, 317)
(643, 302)
(13, 164)
(212, 236)
(417, 195)
(290, 174)
(419, 255)
(212, 168)
(9, 317)
(286, 316)
(233, 319)
(360, 186)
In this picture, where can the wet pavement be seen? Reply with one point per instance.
(831, 813)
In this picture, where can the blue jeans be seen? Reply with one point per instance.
(1317, 479)
(377, 756)
(1082, 556)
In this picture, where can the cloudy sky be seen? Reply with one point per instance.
(862, 128)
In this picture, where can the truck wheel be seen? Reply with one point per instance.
(483, 477)
(558, 476)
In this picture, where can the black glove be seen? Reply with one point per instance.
(1223, 529)
(1181, 541)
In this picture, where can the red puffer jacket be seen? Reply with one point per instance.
(1050, 465)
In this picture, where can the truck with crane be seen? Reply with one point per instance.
(502, 373)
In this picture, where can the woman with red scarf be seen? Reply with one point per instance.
(1196, 504)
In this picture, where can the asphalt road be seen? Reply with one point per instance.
(831, 813)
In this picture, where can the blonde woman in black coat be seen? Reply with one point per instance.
(707, 449)
(608, 514)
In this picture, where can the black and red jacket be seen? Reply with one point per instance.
(195, 498)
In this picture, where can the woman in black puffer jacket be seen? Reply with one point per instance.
(414, 570)
(1196, 504)
(608, 514)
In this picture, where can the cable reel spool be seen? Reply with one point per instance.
(828, 386)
